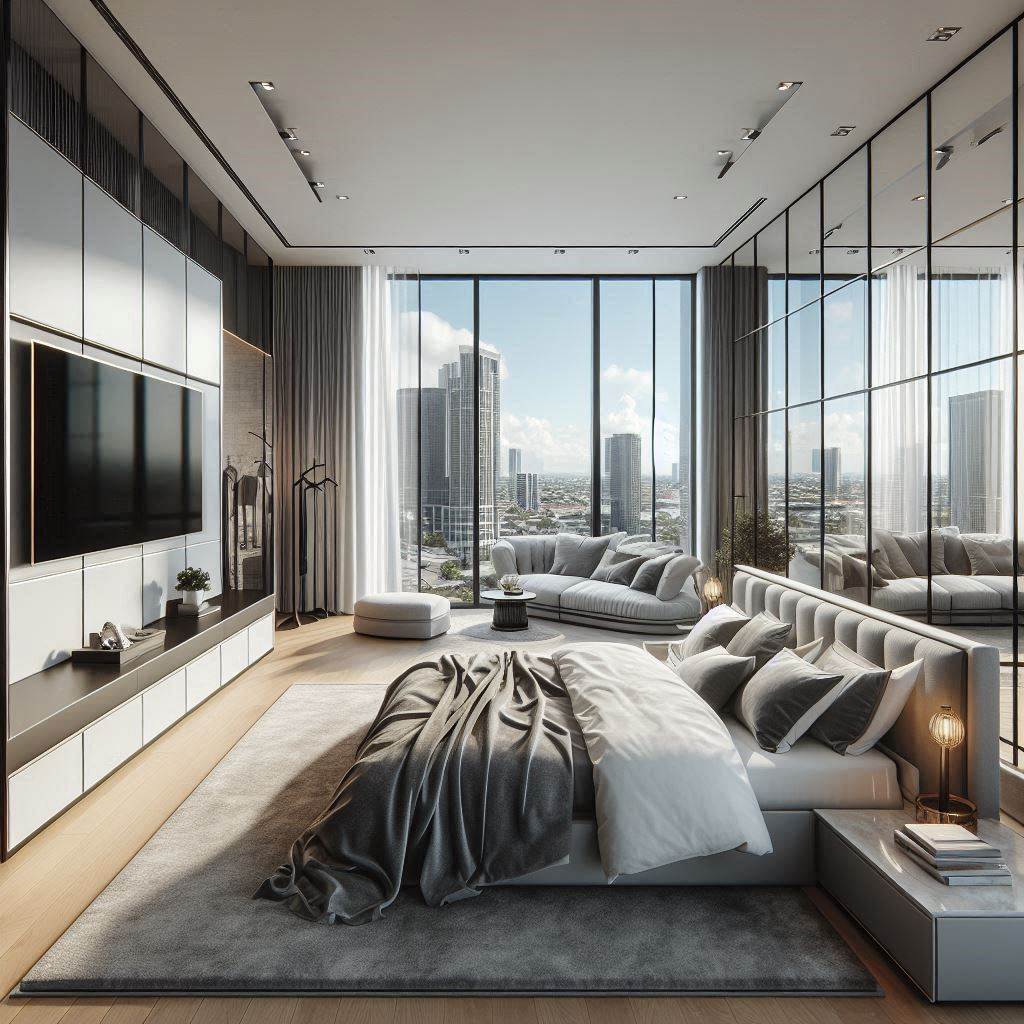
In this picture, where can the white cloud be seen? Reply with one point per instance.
(629, 378)
(561, 449)
(440, 343)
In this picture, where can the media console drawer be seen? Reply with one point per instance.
(109, 742)
(202, 677)
(261, 637)
(234, 656)
(43, 789)
(162, 705)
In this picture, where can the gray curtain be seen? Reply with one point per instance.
(731, 302)
(317, 319)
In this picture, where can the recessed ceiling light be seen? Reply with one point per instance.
(1007, 202)
(632, 252)
(463, 252)
(680, 196)
(369, 252)
(317, 184)
(843, 129)
(788, 86)
(559, 252)
(303, 152)
(288, 134)
(852, 252)
(919, 199)
(944, 34)
(749, 134)
(723, 152)
(265, 86)
(341, 197)
(813, 252)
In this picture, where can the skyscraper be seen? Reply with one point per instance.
(527, 491)
(433, 457)
(975, 461)
(833, 469)
(515, 464)
(622, 467)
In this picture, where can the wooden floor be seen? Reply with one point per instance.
(52, 879)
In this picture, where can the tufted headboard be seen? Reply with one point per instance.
(957, 672)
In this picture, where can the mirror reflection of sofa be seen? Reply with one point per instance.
(574, 579)
(971, 573)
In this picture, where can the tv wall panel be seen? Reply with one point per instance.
(159, 575)
(203, 331)
(206, 556)
(163, 302)
(112, 593)
(113, 273)
(45, 622)
(45, 210)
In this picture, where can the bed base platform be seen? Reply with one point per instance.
(790, 863)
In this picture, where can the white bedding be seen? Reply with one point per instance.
(669, 783)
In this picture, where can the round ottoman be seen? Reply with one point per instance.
(407, 616)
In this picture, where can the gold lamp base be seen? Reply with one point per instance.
(959, 811)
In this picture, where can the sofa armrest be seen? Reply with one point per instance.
(503, 558)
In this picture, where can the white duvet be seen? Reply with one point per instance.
(668, 781)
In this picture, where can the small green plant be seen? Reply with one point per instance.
(773, 549)
(193, 579)
(451, 570)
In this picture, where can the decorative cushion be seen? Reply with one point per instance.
(578, 556)
(623, 572)
(849, 716)
(715, 629)
(679, 569)
(989, 554)
(898, 689)
(855, 573)
(905, 555)
(649, 575)
(761, 638)
(783, 699)
(715, 675)
(611, 558)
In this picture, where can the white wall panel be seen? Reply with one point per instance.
(204, 324)
(159, 575)
(163, 302)
(206, 556)
(113, 593)
(45, 233)
(109, 742)
(211, 464)
(113, 273)
(46, 622)
(43, 789)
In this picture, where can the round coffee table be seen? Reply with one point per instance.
(509, 610)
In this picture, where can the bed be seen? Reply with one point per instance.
(682, 796)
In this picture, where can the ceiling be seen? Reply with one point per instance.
(515, 129)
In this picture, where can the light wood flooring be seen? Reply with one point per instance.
(50, 881)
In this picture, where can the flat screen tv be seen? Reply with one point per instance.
(117, 456)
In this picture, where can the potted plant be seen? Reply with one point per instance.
(192, 583)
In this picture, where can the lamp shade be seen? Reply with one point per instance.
(946, 727)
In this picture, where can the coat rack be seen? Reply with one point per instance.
(313, 518)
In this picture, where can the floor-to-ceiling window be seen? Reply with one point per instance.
(886, 370)
(544, 405)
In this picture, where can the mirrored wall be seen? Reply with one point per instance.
(879, 393)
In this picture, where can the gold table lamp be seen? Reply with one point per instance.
(947, 729)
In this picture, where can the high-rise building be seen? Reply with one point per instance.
(833, 469)
(975, 461)
(433, 457)
(675, 472)
(527, 486)
(622, 468)
(515, 464)
(458, 381)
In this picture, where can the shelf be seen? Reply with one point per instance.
(51, 705)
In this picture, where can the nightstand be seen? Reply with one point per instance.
(953, 942)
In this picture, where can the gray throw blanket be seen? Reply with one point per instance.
(464, 778)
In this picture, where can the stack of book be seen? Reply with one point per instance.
(953, 855)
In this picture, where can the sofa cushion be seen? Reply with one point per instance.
(649, 575)
(623, 572)
(548, 587)
(989, 554)
(677, 572)
(903, 555)
(578, 556)
(611, 558)
(910, 596)
(533, 554)
(954, 554)
(1003, 586)
(612, 601)
(969, 593)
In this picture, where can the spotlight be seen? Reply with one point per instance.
(559, 252)
(679, 197)
(303, 152)
(750, 134)
(463, 252)
(288, 134)
(788, 86)
(944, 34)
(843, 130)
(341, 197)
(264, 86)
(919, 199)
(632, 252)
(317, 184)
(369, 252)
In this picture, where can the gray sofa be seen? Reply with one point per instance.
(592, 602)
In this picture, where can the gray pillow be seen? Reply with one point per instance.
(649, 576)
(679, 569)
(715, 629)
(715, 675)
(611, 558)
(761, 638)
(848, 718)
(783, 699)
(623, 572)
(578, 556)
(990, 554)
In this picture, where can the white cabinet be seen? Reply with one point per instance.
(261, 637)
(234, 656)
(163, 302)
(42, 789)
(45, 233)
(162, 705)
(113, 273)
(202, 677)
(203, 330)
(109, 742)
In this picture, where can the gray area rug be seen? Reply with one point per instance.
(532, 634)
(180, 917)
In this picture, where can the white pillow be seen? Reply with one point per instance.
(901, 685)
